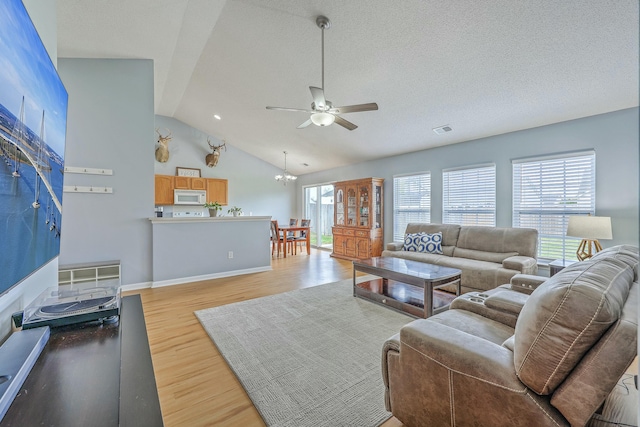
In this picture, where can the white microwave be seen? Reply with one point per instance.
(189, 197)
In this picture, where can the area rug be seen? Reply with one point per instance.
(309, 357)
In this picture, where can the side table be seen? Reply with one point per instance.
(559, 264)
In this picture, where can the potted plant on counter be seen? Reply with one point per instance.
(213, 207)
(235, 211)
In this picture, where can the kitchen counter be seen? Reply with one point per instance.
(162, 220)
(193, 249)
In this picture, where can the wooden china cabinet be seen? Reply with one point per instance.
(357, 230)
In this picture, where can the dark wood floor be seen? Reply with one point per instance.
(195, 385)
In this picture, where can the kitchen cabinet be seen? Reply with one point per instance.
(217, 190)
(189, 183)
(164, 189)
(358, 209)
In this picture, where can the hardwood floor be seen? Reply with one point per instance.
(195, 385)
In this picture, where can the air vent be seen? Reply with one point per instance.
(442, 129)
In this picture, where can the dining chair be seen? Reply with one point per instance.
(276, 237)
(291, 235)
(302, 238)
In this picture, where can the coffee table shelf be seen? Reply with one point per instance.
(408, 286)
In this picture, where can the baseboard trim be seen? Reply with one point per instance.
(136, 286)
(182, 280)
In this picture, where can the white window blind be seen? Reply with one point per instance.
(411, 202)
(469, 196)
(546, 192)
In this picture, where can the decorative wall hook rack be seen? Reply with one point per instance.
(89, 171)
(87, 189)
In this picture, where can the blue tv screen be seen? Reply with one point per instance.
(33, 121)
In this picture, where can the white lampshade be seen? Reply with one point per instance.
(590, 227)
(322, 119)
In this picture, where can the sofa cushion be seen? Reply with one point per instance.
(423, 242)
(479, 275)
(564, 317)
(524, 241)
(483, 255)
(625, 253)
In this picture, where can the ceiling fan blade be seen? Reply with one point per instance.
(318, 97)
(345, 123)
(354, 108)
(289, 109)
(305, 124)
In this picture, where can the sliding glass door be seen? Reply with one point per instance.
(318, 206)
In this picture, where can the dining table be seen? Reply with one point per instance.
(289, 231)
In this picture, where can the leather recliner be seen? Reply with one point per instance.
(508, 358)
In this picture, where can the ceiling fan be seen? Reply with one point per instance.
(322, 111)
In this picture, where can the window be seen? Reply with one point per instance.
(546, 191)
(469, 196)
(411, 202)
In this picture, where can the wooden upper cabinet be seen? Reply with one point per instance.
(217, 190)
(198, 184)
(190, 183)
(182, 182)
(164, 190)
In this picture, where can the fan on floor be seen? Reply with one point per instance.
(323, 113)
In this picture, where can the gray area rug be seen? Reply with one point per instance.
(309, 357)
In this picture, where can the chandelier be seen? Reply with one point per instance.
(285, 176)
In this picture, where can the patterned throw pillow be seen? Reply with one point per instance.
(423, 242)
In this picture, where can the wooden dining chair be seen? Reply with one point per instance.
(291, 235)
(276, 237)
(302, 238)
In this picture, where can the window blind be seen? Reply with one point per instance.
(546, 192)
(411, 202)
(469, 196)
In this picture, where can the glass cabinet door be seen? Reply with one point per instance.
(339, 206)
(377, 206)
(352, 207)
(364, 205)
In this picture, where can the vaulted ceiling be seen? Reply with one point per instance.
(483, 67)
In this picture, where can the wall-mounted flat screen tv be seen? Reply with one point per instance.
(33, 121)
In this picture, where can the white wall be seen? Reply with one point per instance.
(613, 136)
(252, 186)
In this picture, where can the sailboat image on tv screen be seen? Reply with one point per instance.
(33, 151)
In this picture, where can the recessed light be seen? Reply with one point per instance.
(215, 116)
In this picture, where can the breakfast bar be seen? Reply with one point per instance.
(203, 248)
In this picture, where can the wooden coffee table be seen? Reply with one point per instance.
(407, 286)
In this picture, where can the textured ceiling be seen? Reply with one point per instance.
(484, 67)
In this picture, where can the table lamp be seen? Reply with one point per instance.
(590, 228)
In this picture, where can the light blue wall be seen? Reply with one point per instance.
(613, 136)
(110, 125)
(252, 186)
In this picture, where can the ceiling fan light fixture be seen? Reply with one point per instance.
(323, 119)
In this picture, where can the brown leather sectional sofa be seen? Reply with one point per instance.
(533, 353)
(487, 256)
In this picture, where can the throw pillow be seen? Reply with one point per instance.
(423, 242)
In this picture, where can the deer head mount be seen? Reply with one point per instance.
(162, 152)
(212, 159)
